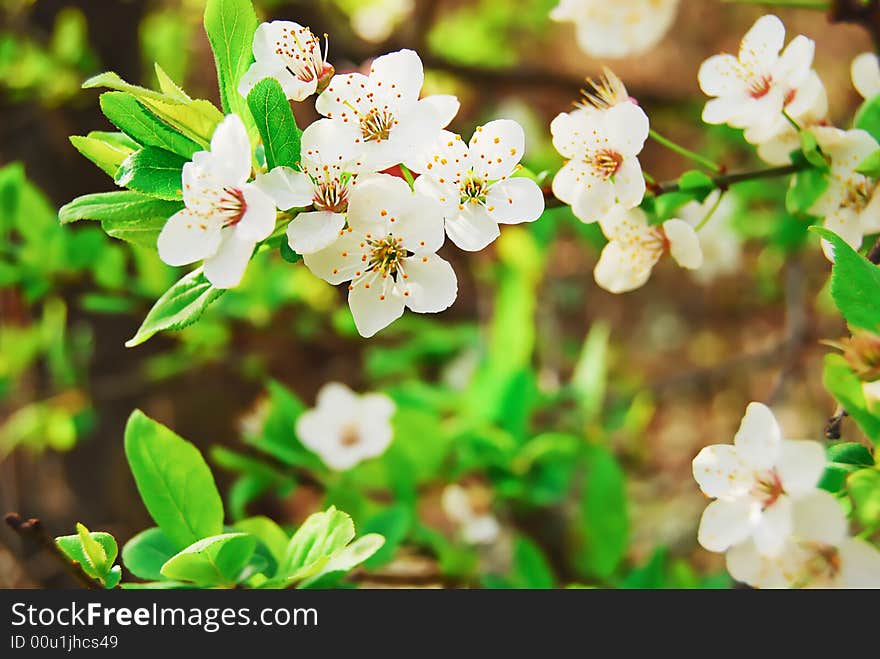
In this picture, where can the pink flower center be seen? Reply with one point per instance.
(761, 87)
(233, 206)
(770, 488)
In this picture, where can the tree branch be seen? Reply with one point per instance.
(32, 532)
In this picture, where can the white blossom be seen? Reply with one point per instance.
(618, 28)
(817, 554)
(376, 20)
(634, 247)
(477, 525)
(602, 149)
(387, 253)
(778, 139)
(849, 205)
(325, 182)
(380, 117)
(472, 183)
(755, 483)
(719, 243)
(865, 71)
(225, 216)
(292, 55)
(753, 89)
(344, 428)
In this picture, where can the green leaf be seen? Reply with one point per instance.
(870, 166)
(591, 371)
(699, 184)
(132, 118)
(394, 523)
(214, 561)
(275, 121)
(319, 537)
(230, 25)
(346, 559)
(180, 306)
(105, 154)
(119, 206)
(864, 488)
(113, 577)
(95, 552)
(267, 532)
(530, 568)
(806, 187)
(146, 553)
(855, 284)
(154, 171)
(868, 117)
(843, 384)
(168, 87)
(604, 524)
(174, 481)
(811, 151)
(850, 453)
(196, 119)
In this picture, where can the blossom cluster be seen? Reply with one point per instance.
(778, 529)
(380, 185)
(774, 95)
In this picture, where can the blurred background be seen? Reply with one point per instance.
(661, 372)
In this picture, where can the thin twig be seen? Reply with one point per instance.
(32, 531)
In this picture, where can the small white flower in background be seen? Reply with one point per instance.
(849, 205)
(809, 109)
(476, 523)
(292, 55)
(752, 89)
(387, 253)
(602, 149)
(719, 243)
(345, 428)
(634, 248)
(325, 183)
(375, 20)
(619, 28)
(472, 183)
(755, 482)
(225, 216)
(865, 71)
(380, 117)
(818, 554)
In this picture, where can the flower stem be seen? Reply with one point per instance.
(711, 212)
(687, 153)
(724, 181)
(407, 175)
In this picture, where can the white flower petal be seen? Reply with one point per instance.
(684, 245)
(339, 261)
(515, 200)
(231, 151)
(860, 564)
(401, 73)
(795, 61)
(800, 466)
(313, 231)
(472, 228)
(720, 472)
(774, 527)
(726, 523)
(187, 238)
(445, 107)
(596, 200)
(226, 267)
(287, 187)
(344, 90)
(496, 148)
(431, 284)
(747, 566)
(629, 183)
(720, 75)
(258, 220)
(762, 42)
(865, 72)
(481, 530)
(626, 126)
(377, 204)
(375, 303)
(337, 399)
(818, 517)
(569, 182)
(622, 269)
(759, 439)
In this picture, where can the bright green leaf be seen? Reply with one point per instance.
(855, 284)
(870, 166)
(146, 553)
(180, 306)
(843, 384)
(230, 25)
(153, 171)
(319, 537)
(136, 121)
(864, 488)
(105, 154)
(275, 121)
(267, 532)
(214, 561)
(805, 189)
(174, 481)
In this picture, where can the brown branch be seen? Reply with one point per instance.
(32, 532)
